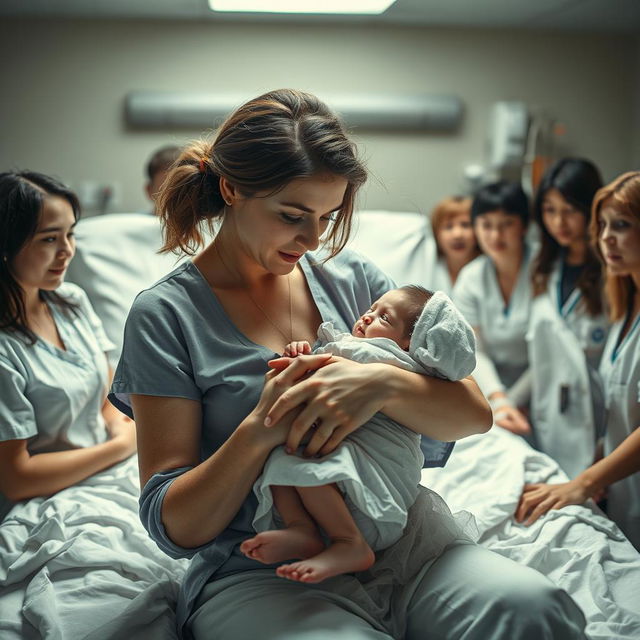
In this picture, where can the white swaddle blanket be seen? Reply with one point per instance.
(377, 467)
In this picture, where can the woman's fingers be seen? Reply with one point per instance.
(532, 494)
(294, 394)
(538, 499)
(540, 510)
(338, 435)
(306, 423)
(324, 433)
(512, 420)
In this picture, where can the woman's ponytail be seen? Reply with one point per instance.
(189, 197)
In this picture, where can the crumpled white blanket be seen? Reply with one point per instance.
(577, 547)
(75, 580)
(74, 562)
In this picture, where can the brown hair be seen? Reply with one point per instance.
(449, 208)
(262, 146)
(624, 194)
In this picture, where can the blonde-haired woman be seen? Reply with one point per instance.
(454, 242)
(615, 233)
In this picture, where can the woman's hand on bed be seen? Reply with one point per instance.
(538, 499)
(513, 420)
(122, 429)
(339, 398)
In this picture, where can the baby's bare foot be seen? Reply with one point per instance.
(343, 556)
(283, 544)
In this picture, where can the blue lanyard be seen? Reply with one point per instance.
(618, 348)
(559, 288)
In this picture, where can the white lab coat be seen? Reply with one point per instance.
(502, 348)
(565, 344)
(620, 371)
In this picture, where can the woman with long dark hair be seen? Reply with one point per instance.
(55, 427)
(568, 325)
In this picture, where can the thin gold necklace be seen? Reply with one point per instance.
(260, 308)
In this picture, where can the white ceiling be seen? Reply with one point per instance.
(574, 15)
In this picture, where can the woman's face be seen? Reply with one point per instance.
(619, 240)
(275, 231)
(455, 237)
(500, 235)
(43, 261)
(565, 224)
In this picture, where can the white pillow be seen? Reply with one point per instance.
(398, 242)
(116, 258)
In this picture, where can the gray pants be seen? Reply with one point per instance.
(468, 593)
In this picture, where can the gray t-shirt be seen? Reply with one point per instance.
(179, 342)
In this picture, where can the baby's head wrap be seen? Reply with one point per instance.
(443, 342)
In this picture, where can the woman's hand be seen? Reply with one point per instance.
(537, 499)
(513, 420)
(336, 400)
(279, 381)
(122, 429)
(505, 415)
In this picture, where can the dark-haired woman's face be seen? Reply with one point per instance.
(565, 224)
(500, 235)
(43, 261)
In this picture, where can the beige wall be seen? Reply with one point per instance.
(635, 155)
(63, 84)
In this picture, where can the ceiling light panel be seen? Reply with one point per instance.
(369, 7)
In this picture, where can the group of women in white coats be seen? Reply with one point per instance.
(615, 235)
(541, 322)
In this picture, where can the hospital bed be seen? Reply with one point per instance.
(79, 565)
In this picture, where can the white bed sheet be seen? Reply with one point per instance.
(79, 565)
(578, 547)
(73, 564)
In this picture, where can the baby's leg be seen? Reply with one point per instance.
(348, 550)
(299, 539)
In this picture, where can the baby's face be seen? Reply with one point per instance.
(385, 319)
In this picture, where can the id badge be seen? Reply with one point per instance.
(564, 398)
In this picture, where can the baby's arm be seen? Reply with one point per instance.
(300, 348)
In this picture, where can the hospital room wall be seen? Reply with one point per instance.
(64, 82)
(635, 156)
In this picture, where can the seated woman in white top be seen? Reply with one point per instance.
(494, 294)
(568, 327)
(615, 233)
(55, 427)
(455, 243)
